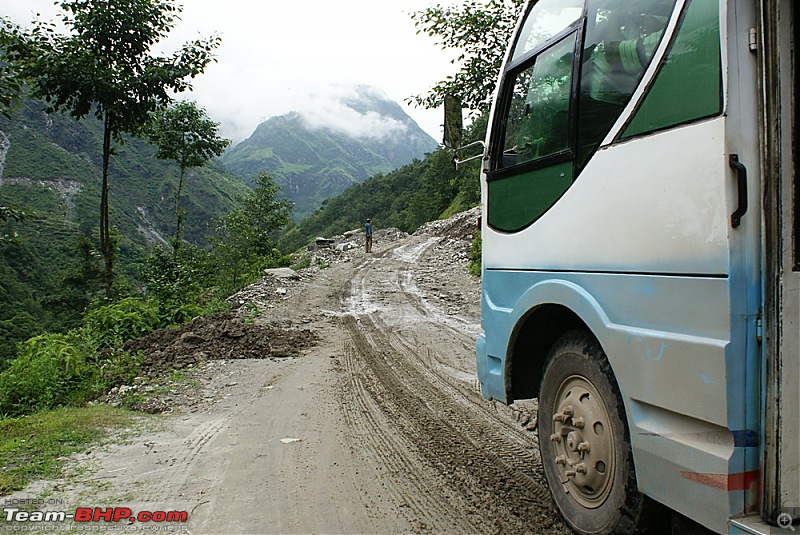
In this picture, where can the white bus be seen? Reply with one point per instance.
(641, 257)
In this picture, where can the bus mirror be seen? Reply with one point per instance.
(453, 122)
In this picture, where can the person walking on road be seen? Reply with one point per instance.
(368, 235)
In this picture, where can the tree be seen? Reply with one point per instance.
(185, 134)
(9, 214)
(11, 81)
(244, 234)
(480, 31)
(105, 68)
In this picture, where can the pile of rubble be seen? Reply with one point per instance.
(276, 285)
(461, 226)
(345, 247)
(222, 336)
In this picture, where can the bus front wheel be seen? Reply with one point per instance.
(584, 439)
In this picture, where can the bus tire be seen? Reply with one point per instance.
(584, 439)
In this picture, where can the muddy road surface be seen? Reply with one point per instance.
(377, 427)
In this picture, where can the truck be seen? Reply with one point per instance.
(641, 258)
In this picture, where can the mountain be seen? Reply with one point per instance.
(315, 155)
(52, 165)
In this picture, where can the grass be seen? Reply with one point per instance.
(37, 446)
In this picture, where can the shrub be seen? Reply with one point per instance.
(475, 256)
(50, 370)
(119, 367)
(112, 325)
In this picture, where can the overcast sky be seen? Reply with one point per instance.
(282, 55)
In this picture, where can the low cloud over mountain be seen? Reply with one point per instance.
(339, 139)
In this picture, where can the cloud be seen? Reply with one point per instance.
(275, 56)
(331, 110)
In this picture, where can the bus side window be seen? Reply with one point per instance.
(692, 69)
(621, 38)
(537, 124)
(535, 166)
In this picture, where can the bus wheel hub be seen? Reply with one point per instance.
(584, 443)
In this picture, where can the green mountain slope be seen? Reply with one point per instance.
(50, 168)
(56, 157)
(405, 198)
(315, 156)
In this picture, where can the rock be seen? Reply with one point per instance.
(346, 246)
(191, 339)
(282, 273)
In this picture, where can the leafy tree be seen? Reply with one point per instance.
(479, 30)
(185, 134)
(11, 79)
(244, 235)
(105, 67)
(8, 214)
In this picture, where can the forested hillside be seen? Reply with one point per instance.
(50, 170)
(406, 198)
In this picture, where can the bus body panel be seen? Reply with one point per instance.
(670, 178)
(663, 368)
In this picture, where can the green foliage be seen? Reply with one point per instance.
(119, 367)
(479, 31)
(105, 67)
(184, 133)
(11, 80)
(8, 215)
(80, 281)
(112, 325)
(34, 288)
(53, 369)
(184, 285)
(18, 327)
(54, 270)
(475, 256)
(50, 370)
(243, 240)
(36, 446)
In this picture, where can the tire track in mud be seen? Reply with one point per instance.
(177, 474)
(177, 471)
(487, 464)
(373, 435)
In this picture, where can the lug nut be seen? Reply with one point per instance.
(561, 459)
(555, 437)
(570, 473)
(558, 417)
(568, 411)
(579, 422)
(580, 468)
(584, 447)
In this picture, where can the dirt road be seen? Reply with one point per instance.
(378, 428)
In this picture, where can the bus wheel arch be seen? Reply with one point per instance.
(531, 343)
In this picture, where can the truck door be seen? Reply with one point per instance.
(780, 28)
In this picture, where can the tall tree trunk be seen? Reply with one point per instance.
(179, 216)
(106, 246)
